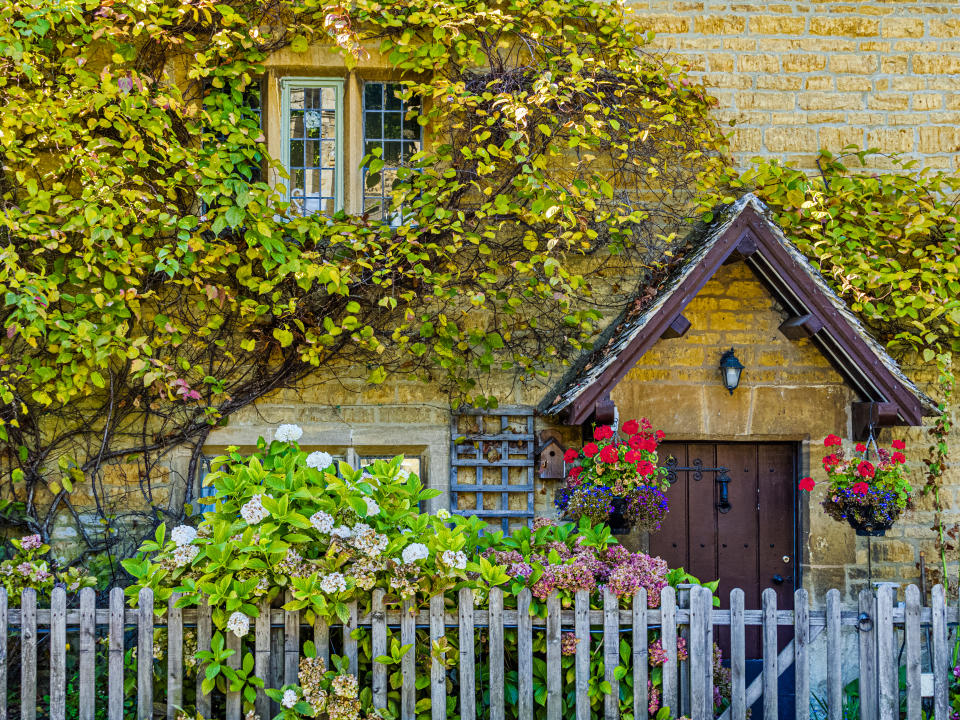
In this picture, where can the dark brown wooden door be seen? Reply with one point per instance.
(752, 545)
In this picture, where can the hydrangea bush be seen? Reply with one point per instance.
(30, 568)
(287, 527)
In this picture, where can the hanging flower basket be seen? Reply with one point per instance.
(869, 497)
(615, 480)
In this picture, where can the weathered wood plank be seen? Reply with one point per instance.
(941, 655)
(611, 654)
(640, 652)
(349, 639)
(668, 639)
(204, 634)
(115, 659)
(234, 698)
(801, 653)
(4, 714)
(28, 655)
(408, 666)
(468, 670)
(700, 708)
(86, 699)
(912, 650)
(683, 632)
(496, 654)
(554, 698)
(738, 657)
(888, 685)
(58, 654)
(291, 642)
(438, 678)
(145, 654)
(868, 657)
(261, 655)
(582, 657)
(834, 658)
(321, 640)
(174, 657)
(770, 673)
(524, 656)
(378, 640)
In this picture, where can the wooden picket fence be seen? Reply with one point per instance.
(878, 619)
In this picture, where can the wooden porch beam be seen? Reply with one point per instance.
(802, 326)
(878, 414)
(677, 328)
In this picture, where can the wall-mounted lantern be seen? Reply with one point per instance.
(730, 369)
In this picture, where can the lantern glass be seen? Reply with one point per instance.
(731, 368)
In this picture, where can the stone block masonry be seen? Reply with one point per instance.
(798, 76)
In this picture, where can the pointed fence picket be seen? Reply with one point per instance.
(478, 673)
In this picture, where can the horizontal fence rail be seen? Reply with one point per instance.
(892, 639)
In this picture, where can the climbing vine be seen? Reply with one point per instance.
(155, 284)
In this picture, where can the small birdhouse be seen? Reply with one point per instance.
(550, 458)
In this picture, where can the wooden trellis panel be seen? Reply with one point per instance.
(492, 465)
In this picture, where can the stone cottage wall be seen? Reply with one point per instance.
(797, 76)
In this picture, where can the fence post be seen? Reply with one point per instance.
(834, 657)
(582, 657)
(524, 657)
(911, 631)
(868, 656)
(378, 644)
(495, 625)
(941, 655)
(204, 634)
(554, 699)
(683, 666)
(28, 654)
(697, 651)
(641, 667)
(468, 690)
(291, 642)
(668, 641)
(87, 651)
(58, 654)
(438, 677)
(408, 666)
(888, 684)
(611, 653)
(770, 669)
(321, 640)
(261, 656)
(145, 654)
(234, 697)
(174, 657)
(738, 657)
(115, 682)
(801, 650)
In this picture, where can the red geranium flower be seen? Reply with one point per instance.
(575, 472)
(590, 449)
(898, 457)
(609, 454)
(645, 467)
(830, 460)
(635, 441)
(602, 432)
(807, 484)
(861, 488)
(649, 444)
(898, 445)
(866, 470)
(633, 456)
(661, 434)
(832, 440)
(571, 455)
(861, 447)
(631, 427)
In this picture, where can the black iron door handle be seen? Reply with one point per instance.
(778, 579)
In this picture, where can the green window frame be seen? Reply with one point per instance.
(310, 175)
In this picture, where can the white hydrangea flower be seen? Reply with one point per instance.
(334, 582)
(342, 532)
(371, 544)
(403, 473)
(319, 460)
(239, 624)
(372, 507)
(322, 522)
(443, 514)
(288, 433)
(360, 528)
(254, 511)
(457, 560)
(183, 535)
(415, 551)
(184, 554)
(289, 699)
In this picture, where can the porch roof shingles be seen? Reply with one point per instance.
(747, 227)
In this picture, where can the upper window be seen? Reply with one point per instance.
(312, 127)
(386, 127)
